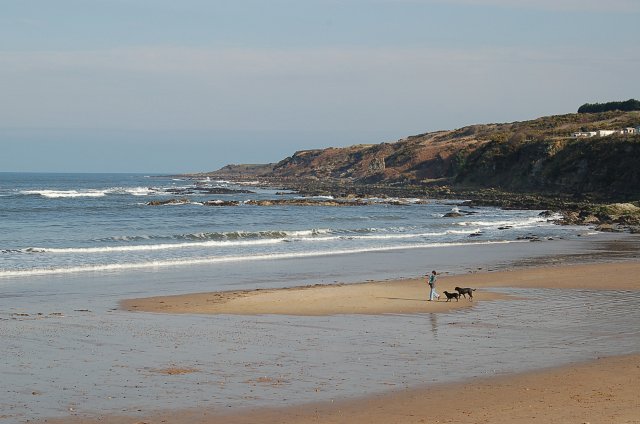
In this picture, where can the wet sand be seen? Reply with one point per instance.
(404, 296)
(601, 391)
(604, 390)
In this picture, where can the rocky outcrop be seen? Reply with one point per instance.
(182, 201)
(304, 201)
(615, 217)
(221, 203)
(183, 191)
(238, 171)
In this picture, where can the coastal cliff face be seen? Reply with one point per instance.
(532, 156)
(428, 158)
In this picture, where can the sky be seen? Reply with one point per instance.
(165, 86)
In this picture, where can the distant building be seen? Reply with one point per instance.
(604, 133)
(581, 134)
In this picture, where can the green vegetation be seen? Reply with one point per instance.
(629, 105)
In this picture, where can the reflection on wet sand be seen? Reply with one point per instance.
(433, 318)
(234, 359)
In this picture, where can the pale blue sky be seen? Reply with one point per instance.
(192, 85)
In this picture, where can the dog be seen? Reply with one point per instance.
(464, 291)
(450, 296)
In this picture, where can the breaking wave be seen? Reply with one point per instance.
(75, 193)
(231, 239)
(222, 259)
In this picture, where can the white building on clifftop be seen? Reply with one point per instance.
(604, 133)
(581, 134)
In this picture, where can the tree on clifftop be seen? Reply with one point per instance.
(629, 105)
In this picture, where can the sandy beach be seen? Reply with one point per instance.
(405, 296)
(600, 391)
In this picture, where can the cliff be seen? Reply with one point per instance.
(537, 156)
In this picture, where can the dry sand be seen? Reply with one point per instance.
(602, 391)
(405, 296)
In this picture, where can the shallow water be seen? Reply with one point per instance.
(88, 363)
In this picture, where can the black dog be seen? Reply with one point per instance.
(450, 296)
(464, 291)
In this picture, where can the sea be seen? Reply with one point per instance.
(80, 223)
(73, 245)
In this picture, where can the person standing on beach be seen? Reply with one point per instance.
(432, 284)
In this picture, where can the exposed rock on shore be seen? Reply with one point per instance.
(205, 190)
(347, 201)
(182, 201)
(453, 215)
(615, 217)
(221, 203)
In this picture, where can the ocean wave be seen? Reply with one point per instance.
(140, 191)
(526, 222)
(233, 239)
(227, 235)
(248, 183)
(211, 240)
(399, 236)
(318, 197)
(127, 238)
(253, 239)
(234, 235)
(56, 194)
(148, 247)
(238, 258)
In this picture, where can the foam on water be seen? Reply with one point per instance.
(77, 193)
(526, 222)
(55, 194)
(232, 258)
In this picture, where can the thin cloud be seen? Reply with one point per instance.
(339, 88)
(628, 6)
(311, 62)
